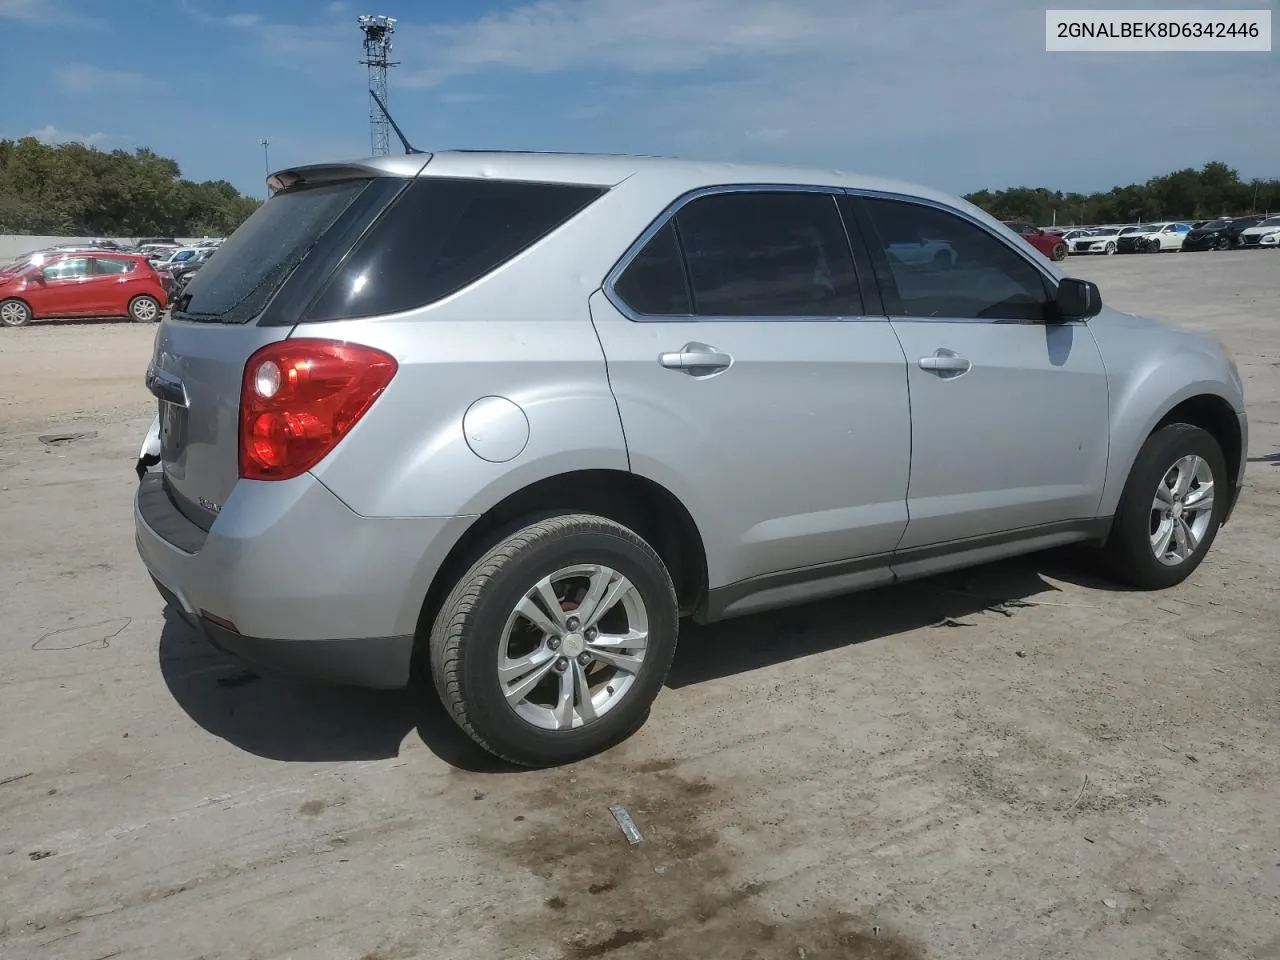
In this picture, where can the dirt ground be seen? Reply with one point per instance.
(1092, 776)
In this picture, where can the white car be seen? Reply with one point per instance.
(1154, 238)
(1101, 240)
(1265, 234)
(922, 251)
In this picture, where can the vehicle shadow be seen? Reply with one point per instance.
(749, 643)
(294, 721)
(278, 719)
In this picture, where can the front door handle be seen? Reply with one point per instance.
(945, 363)
(696, 359)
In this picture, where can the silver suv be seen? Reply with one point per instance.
(501, 420)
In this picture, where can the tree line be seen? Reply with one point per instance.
(74, 190)
(1215, 190)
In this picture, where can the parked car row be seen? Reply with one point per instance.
(1224, 233)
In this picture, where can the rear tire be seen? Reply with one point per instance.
(1138, 552)
(14, 313)
(521, 676)
(1060, 252)
(144, 309)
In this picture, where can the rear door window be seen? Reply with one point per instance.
(768, 254)
(257, 259)
(441, 235)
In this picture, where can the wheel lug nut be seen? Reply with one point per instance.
(592, 633)
(573, 623)
(554, 643)
(584, 659)
(562, 664)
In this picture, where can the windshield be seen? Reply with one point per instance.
(1106, 232)
(1214, 225)
(1270, 222)
(256, 260)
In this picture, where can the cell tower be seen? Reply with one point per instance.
(377, 56)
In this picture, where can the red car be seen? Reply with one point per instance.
(1050, 244)
(81, 283)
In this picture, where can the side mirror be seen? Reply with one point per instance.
(1076, 300)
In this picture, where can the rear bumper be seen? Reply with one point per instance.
(310, 588)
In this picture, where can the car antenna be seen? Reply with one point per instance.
(408, 147)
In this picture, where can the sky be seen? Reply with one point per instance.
(956, 94)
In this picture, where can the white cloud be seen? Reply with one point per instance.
(83, 78)
(302, 46)
(31, 10)
(337, 8)
(961, 95)
(47, 13)
(51, 134)
(655, 37)
(957, 94)
(463, 96)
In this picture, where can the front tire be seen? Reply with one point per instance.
(14, 313)
(1168, 515)
(1109, 249)
(144, 309)
(554, 645)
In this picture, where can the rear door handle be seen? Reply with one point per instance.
(945, 362)
(696, 359)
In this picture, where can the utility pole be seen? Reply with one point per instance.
(377, 57)
(266, 155)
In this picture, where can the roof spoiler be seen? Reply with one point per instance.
(346, 170)
(316, 173)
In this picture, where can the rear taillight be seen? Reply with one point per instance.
(299, 398)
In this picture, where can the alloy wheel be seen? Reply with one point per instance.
(573, 647)
(1182, 510)
(144, 309)
(13, 314)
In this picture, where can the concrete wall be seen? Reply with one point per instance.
(15, 244)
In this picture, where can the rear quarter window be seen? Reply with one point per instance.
(441, 235)
(108, 265)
